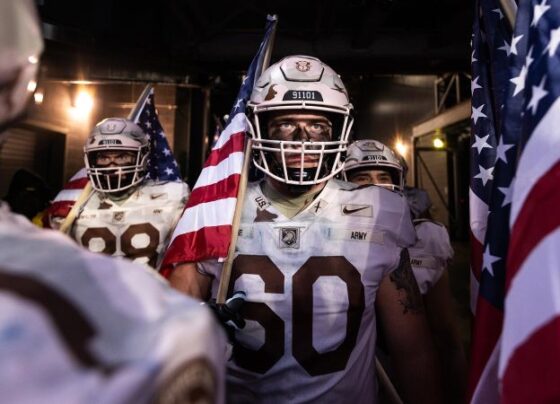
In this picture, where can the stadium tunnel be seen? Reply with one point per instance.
(406, 65)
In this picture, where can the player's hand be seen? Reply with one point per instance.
(228, 313)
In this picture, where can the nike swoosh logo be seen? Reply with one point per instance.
(347, 211)
(156, 196)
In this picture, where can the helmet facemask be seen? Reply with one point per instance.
(116, 135)
(323, 158)
(303, 86)
(116, 179)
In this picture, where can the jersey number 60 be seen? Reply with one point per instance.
(308, 357)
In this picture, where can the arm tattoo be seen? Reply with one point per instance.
(403, 278)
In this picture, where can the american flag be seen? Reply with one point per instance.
(204, 230)
(530, 351)
(492, 165)
(161, 163)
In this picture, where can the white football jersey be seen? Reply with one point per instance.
(78, 327)
(430, 254)
(311, 283)
(138, 228)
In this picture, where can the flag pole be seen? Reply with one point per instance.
(134, 115)
(228, 263)
(509, 8)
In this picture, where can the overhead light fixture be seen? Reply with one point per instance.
(82, 104)
(38, 96)
(438, 143)
(401, 147)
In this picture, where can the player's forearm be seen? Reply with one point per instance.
(186, 278)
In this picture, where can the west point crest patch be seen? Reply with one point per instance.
(289, 237)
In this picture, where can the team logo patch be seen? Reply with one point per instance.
(118, 216)
(357, 210)
(303, 65)
(159, 195)
(289, 237)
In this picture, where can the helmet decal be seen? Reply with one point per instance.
(303, 65)
(271, 93)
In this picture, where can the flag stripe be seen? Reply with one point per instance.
(236, 143)
(212, 174)
(486, 391)
(477, 250)
(538, 217)
(193, 246)
(226, 188)
(538, 273)
(204, 214)
(484, 340)
(70, 195)
(60, 208)
(532, 373)
(79, 183)
(478, 216)
(237, 124)
(539, 155)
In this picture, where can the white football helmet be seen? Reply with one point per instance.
(116, 134)
(21, 46)
(374, 155)
(300, 84)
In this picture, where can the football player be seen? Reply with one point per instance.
(371, 162)
(77, 327)
(127, 215)
(314, 256)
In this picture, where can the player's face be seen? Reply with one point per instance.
(300, 128)
(371, 177)
(115, 158)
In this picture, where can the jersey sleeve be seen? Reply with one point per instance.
(430, 254)
(210, 267)
(404, 230)
(434, 239)
(394, 218)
